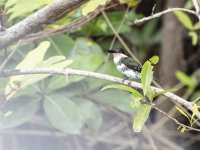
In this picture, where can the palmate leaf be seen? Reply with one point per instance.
(17, 111)
(34, 59)
(63, 113)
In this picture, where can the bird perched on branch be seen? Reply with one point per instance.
(126, 65)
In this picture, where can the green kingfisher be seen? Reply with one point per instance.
(126, 65)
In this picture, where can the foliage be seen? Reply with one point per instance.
(20, 8)
(69, 105)
(187, 23)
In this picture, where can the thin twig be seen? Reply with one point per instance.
(176, 121)
(70, 71)
(164, 12)
(119, 38)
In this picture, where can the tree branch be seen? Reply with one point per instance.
(53, 11)
(196, 6)
(156, 15)
(70, 71)
(66, 28)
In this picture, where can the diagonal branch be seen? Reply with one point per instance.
(53, 11)
(70, 27)
(70, 71)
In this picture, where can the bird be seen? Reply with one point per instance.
(126, 65)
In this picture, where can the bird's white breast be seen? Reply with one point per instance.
(123, 69)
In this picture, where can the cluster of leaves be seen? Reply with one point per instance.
(187, 23)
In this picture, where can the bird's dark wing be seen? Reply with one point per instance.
(131, 63)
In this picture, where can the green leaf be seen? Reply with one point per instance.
(92, 5)
(90, 51)
(18, 111)
(34, 56)
(22, 81)
(146, 76)
(150, 93)
(129, 2)
(183, 113)
(58, 45)
(154, 60)
(120, 99)
(63, 113)
(184, 19)
(136, 98)
(30, 61)
(189, 81)
(141, 117)
(195, 110)
(121, 87)
(194, 37)
(197, 26)
(20, 8)
(90, 113)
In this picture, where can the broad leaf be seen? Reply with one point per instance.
(90, 51)
(120, 99)
(23, 81)
(141, 117)
(146, 76)
(90, 113)
(121, 87)
(31, 60)
(18, 111)
(63, 113)
(184, 19)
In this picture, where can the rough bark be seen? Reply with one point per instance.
(172, 51)
(172, 54)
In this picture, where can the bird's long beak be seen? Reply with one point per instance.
(111, 51)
